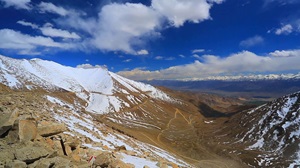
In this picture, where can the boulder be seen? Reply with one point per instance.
(104, 159)
(24, 130)
(30, 154)
(52, 129)
(7, 121)
(27, 130)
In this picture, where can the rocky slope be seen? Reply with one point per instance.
(42, 129)
(275, 131)
(267, 136)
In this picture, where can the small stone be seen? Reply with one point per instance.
(120, 148)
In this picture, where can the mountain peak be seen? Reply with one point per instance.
(91, 85)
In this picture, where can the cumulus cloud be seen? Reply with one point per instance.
(252, 41)
(285, 53)
(128, 29)
(120, 31)
(243, 62)
(286, 29)
(180, 11)
(51, 8)
(18, 4)
(27, 44)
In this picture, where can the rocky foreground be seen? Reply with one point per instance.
(30, 136)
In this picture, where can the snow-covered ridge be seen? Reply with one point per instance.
(98, 87)
(247, 77)
(278, 129)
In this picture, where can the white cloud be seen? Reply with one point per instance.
(25, 44)
(127, 60)
(196, 56)
(159, 58)
(180, 11)
(120, 31)
(128, 29)
(198, 51)
(142, 52)
(243, 62)
(48, 30)
(280, 2)
(164, 58)
(285, 53)
(51, 8)
(182, 56)
(89, 66)
(24, 23)
(252, 41)
(18, 4)
(286, 29)
(53, 32)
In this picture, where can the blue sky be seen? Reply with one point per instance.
(156, 39)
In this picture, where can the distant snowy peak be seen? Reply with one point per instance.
(103, 91)
(248, 77)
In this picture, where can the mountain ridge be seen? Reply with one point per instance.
(105, 111)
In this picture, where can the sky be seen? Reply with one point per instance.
(156, 39)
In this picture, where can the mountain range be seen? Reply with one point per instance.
(154, 126)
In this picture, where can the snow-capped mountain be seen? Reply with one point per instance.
(274, 130)
(106, 111)
(248, 77)
(100, 88)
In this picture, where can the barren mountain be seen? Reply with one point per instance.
(136, 123)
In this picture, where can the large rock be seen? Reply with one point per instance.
(7, 121)
(52, 129)
(27, 130)
(30, 154)
(24, 130)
